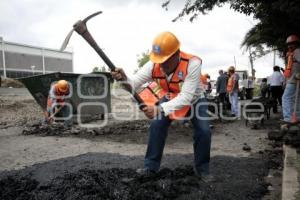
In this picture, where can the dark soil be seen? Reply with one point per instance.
(125, 132)
(290, 136)
(18, 111)
(57, 129)
(8, 82)
(112, 176)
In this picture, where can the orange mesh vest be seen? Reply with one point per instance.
(203, 81)
(288, 69)
(58, 97)
(230, 83)
(203, 78)
(160, 88)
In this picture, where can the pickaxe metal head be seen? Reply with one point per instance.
(79, 26)
(81, 29)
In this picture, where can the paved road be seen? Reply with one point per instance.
(14, 92)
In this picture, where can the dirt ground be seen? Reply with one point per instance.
(100, 163)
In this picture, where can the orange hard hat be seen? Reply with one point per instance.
(163, 47)
(203, 77)
(62, 86)
(292, 38)
(206, 75)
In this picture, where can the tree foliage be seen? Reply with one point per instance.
(143, 58)
(99, 69)
(277, 19)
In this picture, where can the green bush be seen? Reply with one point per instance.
(256, 91)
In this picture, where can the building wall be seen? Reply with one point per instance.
(26, 60)
(23, 61)
(58, 64)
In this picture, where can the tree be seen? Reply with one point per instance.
(103, 69)
(143, 58)
(277, 19)
(99, 69)
(96, 69)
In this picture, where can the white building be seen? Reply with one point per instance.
(20, 60)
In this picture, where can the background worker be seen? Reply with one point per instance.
(232, 90)
(209, 87)
(205, 83)
(177, 74)
(276, 86)
(290, 72)
(221, 87)
(264, 88)
(56, 102)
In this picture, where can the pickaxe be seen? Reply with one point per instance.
(81, 28)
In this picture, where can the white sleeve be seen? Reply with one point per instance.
(190, 90)
(52, 94)
(142, 76)
(297, 55)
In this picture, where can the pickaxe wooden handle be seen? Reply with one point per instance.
(81, 28)
(50, 118)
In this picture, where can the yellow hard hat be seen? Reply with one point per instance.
(62, 86)
(163, 47)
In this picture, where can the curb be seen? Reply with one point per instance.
(290, 183)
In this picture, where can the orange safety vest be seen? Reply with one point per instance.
(58, 99)
(230, 83)
(288, 69)
(203, 80)
(160, 88)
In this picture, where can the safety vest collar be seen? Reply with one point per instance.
(179, 73)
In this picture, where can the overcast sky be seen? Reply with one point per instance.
(127, 28)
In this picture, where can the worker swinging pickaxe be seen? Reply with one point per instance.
(81, 28)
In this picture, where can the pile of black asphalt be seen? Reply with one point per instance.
(113, 176)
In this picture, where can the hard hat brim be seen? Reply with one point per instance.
(63, 90)
(158, 58)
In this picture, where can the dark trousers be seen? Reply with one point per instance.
(277, 92)
(222, 100)
(202, 139)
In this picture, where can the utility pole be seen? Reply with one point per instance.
(251, 64)
(274, 57)
(234, 62)
(3, 57)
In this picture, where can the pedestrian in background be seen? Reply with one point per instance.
(264, 88)
(276, 86)
(221, 88)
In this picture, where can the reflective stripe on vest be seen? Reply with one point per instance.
(160, 88)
